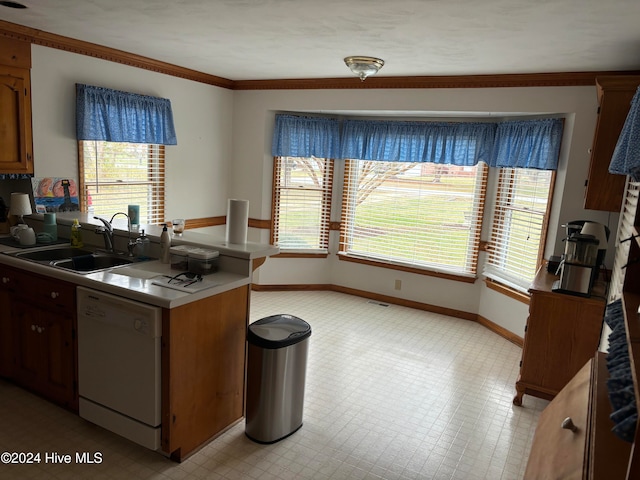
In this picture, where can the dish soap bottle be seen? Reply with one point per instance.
(165, 244)
(76, 234)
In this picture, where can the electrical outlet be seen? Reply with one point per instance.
(398, 285)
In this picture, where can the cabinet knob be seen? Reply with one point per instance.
(33, 328)
(5, 279)
(55, 294)
(568, 424)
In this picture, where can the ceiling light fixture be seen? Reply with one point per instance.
(364, 66)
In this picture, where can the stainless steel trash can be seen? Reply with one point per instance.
(276, 373)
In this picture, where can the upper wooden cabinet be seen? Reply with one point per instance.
(16, 141)
(604, 190)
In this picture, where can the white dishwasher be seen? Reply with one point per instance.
(119, 379)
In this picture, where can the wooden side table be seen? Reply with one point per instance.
(562, 333)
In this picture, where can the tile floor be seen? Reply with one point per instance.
(392, 393)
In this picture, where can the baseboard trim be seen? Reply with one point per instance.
(474, 317)
(503, 332)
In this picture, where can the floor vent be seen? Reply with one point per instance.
(380, 304)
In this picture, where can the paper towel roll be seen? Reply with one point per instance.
(237, 220)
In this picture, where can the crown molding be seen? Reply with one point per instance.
(45, 39)
(51, 40)
(560, 79)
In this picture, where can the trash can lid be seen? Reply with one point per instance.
(278, 331)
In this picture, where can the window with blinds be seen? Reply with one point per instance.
(421, 215)
(301, 204)
(625, 232)
(519, 225)
(114, 175)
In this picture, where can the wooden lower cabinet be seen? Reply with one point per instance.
(563, 332)
(7, 282)
(44, 359)
(40, 328)
(203, 355)
(203, 370)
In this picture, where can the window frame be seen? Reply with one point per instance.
(157, 186)
(421, 269)
(492, 272)
(324, 226)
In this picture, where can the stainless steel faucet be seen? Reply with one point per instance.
(107, 232)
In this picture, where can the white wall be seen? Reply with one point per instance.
(223, 151)
(252, 169)
(197, 169)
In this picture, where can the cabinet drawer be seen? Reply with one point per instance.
(45, 291)
(557, 451)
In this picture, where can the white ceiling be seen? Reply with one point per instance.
(281, 39)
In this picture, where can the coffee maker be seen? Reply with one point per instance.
(579, 265)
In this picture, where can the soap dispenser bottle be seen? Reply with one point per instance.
(165, 244)
(76, 234)
(144, 245)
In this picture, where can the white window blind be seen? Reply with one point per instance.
(302, 203)
(519, 225)
(422, 215)
(114, 175)
(625, 232)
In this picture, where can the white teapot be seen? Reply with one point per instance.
(24, 234)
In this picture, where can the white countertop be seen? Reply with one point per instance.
(136, 281)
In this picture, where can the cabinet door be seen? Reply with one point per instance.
(45, 351)
(15, 121)
(563, 332)
(57, 376)
(557, 451)
(28, 334)
(604, 190)
(9, 279)
(6, 335)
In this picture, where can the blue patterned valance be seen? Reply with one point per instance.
(116, 116)
(516, 144)
(528, 144)
(298, 136)
(626, 156)
(459, 143)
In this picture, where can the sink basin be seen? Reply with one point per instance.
(79, 260)
(52, 254)
(92, 263)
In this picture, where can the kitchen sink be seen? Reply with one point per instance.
(51, 254)
(93, 262)
(79, 260)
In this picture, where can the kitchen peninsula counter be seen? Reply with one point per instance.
(203, 346)
(136, 281)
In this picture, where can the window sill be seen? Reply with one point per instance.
(300, 255)
(508, 291)
(404, 268)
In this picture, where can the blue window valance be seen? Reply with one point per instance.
(626, 155)
(528, 144)
(461, 143)
(517, 144)
(298, 136)
(116, 116)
